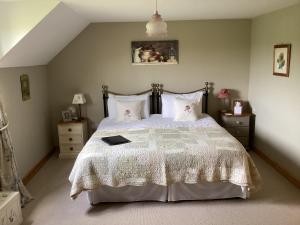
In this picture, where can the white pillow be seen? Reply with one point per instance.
(167, 100)
(111, 103)
(129, 110)
(186, 110)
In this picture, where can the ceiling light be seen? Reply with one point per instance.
(156, 27)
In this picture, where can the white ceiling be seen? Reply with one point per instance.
(46, 39)
(141, 10)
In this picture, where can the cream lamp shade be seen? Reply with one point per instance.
(79, 99)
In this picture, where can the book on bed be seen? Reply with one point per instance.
(115, 140)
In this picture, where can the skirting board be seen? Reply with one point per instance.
(278, 168)
(37, 167)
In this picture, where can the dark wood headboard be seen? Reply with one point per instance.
(155, 97)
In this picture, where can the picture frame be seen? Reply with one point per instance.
(66, 116)
(25, 87)
(154, 52)
(281, 60)
(237, 107)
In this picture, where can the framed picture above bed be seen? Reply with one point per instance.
(154, 52)
(281, 60)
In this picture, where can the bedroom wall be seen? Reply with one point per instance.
(217, 51)
(29, 120)
(274, 99)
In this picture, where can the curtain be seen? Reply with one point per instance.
(9, 178)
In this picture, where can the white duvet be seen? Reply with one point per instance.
(162, 152)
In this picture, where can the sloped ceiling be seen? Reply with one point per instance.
(46, 39)
(141, 10)
(17, 18)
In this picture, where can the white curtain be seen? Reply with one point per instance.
(9, 178)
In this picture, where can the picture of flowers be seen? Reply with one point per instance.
(154, 52)
(281, 60)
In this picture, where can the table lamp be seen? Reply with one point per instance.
(223, 95)
(79, 100)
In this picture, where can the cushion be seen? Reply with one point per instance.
(111, 103)
(186, 110)
(129, 110)
(167, 100)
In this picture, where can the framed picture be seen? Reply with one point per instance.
(66, 115)
(25, 87)
(154, 52)
(281, 60)
(237, 107)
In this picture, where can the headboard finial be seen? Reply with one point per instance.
(105, 89)
(206, 86)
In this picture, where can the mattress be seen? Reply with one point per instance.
(100, 169)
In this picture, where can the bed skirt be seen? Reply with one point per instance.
(172, 193)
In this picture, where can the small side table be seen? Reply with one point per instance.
(72, 137)
(238, 126)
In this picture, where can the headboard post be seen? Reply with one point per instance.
(105, 98)
(206, 97)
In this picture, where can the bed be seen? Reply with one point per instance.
(167, 160)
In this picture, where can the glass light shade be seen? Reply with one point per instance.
(156, 26)
(79, 99)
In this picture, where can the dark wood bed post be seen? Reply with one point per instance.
(105, 98)
(206, 97)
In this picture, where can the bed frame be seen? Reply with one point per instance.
(155, 97)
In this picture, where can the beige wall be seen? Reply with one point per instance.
(215, 51)
(276, 99)
(29, 120)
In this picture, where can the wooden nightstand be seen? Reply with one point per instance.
(10, 208)
(72, 137)
(238, 126)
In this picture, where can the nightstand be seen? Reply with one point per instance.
(10, 208)
(72, 137)
(238, 126)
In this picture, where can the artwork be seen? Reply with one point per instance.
(25, 88)
(154, 52)
(66, 115)
(237, 107)
(281, 60)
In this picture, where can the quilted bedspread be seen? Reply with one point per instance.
(163, 156)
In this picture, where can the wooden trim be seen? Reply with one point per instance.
(37, 167)
(278, 168)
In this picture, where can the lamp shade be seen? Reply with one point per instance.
(224, 93)
(156, 26)
(79, 99)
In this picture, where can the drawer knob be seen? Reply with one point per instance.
(238, 122)
(70, 139)
(70, 129)
(71, 148)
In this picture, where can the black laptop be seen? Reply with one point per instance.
(115, 140)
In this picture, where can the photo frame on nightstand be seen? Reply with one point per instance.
(66, 115)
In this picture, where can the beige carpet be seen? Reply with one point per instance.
(278, 203)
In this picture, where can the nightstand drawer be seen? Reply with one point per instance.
(71, 148)
(241, 121)
(70, 129)
(244, 141)
(239, 131)
(70, 139)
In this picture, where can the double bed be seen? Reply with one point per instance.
(166, 160)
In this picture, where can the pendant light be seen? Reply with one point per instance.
(156, 27)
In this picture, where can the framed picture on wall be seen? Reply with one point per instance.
(281, 60)
(154, 52)
(25, 87)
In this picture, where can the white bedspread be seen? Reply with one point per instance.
(163, 152)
